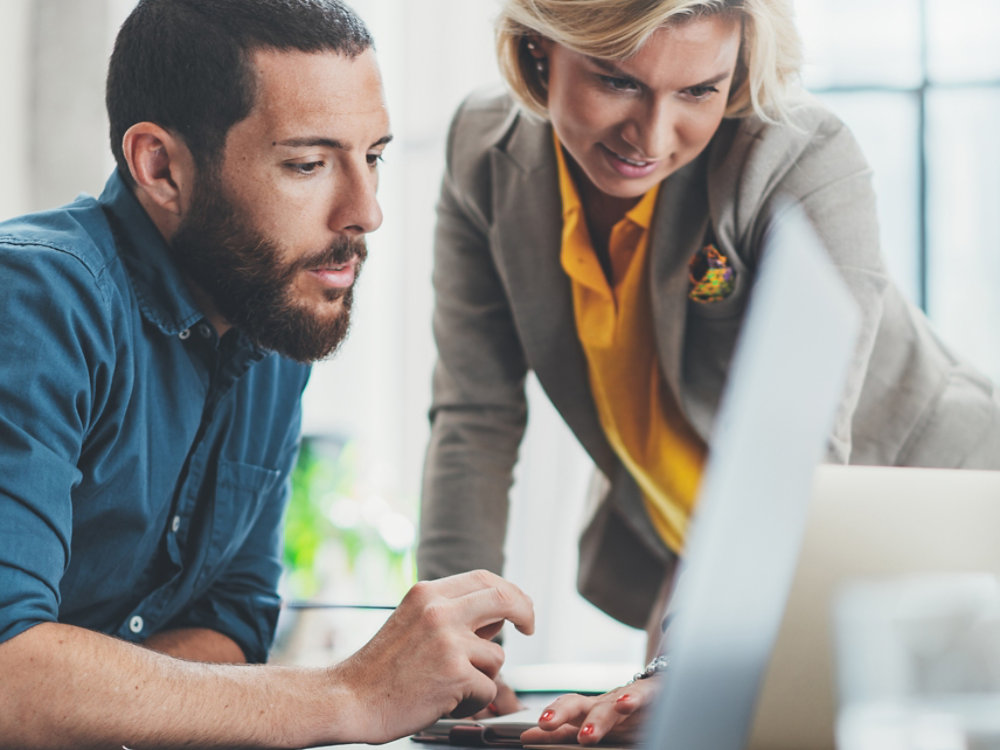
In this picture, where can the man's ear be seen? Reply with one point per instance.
(161, 165)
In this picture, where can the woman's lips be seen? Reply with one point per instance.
(626, 167)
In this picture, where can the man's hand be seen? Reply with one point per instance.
(434, 656)
(64, 686)
(504, 702)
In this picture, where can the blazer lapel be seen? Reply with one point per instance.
(680, 226)
(526, 237)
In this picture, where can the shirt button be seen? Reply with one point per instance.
(135, 624)
(185, 334)
(204, 330)
(175, 524)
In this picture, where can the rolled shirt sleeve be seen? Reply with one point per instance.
(144, 462)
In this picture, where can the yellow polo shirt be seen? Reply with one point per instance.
(614, 322)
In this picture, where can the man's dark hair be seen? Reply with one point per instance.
(185, 64)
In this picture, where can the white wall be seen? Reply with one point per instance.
(53, 135)
(14, 17)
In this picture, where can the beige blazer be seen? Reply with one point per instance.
(503, 306)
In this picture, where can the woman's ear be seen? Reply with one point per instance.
(160, 164)
(538, 49)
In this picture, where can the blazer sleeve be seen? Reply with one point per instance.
(478, 411)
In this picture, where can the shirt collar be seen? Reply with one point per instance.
(163, 295)
(567, 188)
(641, 213)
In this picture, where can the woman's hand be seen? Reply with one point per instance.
(616, 715)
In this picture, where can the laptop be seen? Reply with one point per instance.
(785, 382)
(866, 523)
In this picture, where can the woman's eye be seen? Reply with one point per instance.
(374, 159)
(702, 92)
(617, 83)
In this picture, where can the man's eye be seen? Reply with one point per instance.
(309, 167)
(374, 159)
(617, 83)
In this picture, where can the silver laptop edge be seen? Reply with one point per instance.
(785, 381)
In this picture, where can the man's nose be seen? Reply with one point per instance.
(355, 209)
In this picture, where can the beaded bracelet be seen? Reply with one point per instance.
(659, 664)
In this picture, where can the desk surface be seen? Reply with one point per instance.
(403, 743)
(537, 700)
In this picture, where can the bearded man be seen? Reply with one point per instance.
(155, 345)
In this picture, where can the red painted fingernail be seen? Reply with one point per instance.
(588, 729)
(493, 708)
(547, 714)
(623, 698)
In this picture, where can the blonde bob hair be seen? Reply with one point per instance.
(766, 72)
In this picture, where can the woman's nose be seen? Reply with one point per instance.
(652, 130)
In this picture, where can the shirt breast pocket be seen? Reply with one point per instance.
(241, 492)
(722, 310)
(717, 281)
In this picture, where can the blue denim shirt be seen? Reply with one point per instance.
(144, 462)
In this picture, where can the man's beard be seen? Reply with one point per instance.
(241, 272)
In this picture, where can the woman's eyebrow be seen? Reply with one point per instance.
(714, 79)
(609, 67)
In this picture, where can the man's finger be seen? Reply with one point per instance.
(460, 584)
(506, 701)
(482, 690)
(488, 606)
(489, 632)
(486, 656)
(503, 600)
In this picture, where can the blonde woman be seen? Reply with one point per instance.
(600, 224)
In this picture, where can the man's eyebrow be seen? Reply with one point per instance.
(324, 142)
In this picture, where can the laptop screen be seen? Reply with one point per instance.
(784, 384)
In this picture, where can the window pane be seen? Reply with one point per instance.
(860, 42)
(962, 40)
(885, 125)
(964, 193)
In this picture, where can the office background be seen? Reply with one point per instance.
(918, 81)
